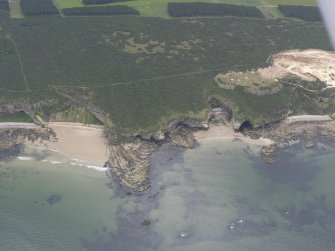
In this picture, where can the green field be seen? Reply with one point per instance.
(68, 3)
(158, 8)
(16, 117)
(292, 2)
(15, 9)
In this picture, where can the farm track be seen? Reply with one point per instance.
(131, 82)
(20, 61)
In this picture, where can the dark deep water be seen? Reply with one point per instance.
(219, 196)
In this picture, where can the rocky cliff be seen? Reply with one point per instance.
(130, 162)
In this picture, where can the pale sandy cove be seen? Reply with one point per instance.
(78, 141)
(223, 132)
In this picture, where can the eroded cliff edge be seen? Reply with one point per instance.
(131, 161)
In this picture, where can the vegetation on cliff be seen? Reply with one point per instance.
(15, 117)
(151, 80)
(139, 77)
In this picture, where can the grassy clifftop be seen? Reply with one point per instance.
(142, 72)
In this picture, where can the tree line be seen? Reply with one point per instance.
(38, 7)
(100, 10)
(96, 2)
(307, 13)
(4, 5)
(212, 9)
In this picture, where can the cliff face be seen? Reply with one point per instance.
(130, 162)
(12, 108)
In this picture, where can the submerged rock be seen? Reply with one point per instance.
(146, 222)
(53, 199)
(107, 165)
(269, 153)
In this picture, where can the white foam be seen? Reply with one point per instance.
(56, 162)
(24, 158)
(98, 168)
(76, 164)
(79, 160)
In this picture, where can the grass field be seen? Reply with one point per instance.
(15, 9)
(158, 8)
(270, 12)
(68, 3)
(292, 2)
(16, 117)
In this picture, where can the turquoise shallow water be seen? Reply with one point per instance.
(219, 196)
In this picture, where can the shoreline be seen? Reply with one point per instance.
(76, 141)
(130, 162)
(227, 133)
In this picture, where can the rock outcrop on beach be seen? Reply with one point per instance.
(308, 133)
(13, 137)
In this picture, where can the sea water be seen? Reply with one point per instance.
(218, 196)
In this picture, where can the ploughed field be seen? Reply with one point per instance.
(142, 72)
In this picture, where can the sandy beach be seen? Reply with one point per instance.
(224, 132)
(78, 141)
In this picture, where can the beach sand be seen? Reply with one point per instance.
(224, 132)
(88, 143)
(78, 141)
